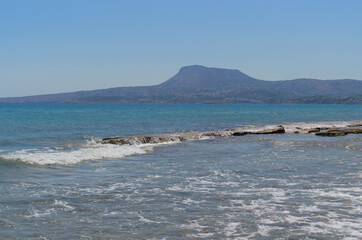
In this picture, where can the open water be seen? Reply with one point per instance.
(57, 182)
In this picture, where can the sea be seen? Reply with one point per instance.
(57, 181)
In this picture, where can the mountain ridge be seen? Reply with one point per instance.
(200, 84)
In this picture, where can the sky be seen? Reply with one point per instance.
(52, 46)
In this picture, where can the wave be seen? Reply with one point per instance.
(119, 147)
(66, 156)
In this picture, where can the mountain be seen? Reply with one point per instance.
(214, 79)
(199, 84)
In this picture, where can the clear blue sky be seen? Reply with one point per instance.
(51, 46)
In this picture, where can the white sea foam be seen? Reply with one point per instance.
(190, 201)
(111, 213)
(64, 205)
(231, 228)
(255, 129)
(193, 225)
(201, 235)
(303, 208)
(146, 220)
(37, 214)
(65, 156)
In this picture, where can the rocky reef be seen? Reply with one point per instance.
(321, 130)
(188, 136)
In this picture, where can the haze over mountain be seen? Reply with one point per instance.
(199, 84)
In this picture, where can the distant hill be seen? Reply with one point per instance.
(199, 84)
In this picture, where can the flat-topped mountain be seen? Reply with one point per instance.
(199, 77)
(199, 84)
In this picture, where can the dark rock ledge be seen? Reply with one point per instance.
(133, 140)
(339, 132)
(166, 138)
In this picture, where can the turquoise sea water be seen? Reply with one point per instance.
(57, 182)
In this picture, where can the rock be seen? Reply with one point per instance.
(210, 134)
(182, 138)
(339, 132)
(239, 133)
(185, 136)
(356, 124)
(110, 138)
(117, 140)
(332, 133)
(144, 139)
(112, 141)
(314, 130)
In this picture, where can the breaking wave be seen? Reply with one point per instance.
(66, 156)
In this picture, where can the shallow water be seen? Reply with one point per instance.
(284, 186)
